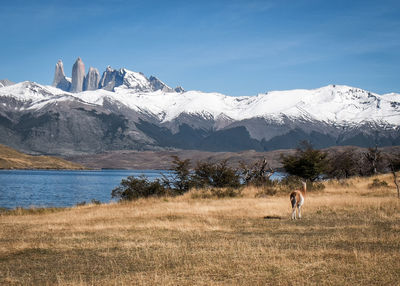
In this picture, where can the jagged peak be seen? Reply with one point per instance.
(110, 79)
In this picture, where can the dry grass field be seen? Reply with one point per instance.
(349, 235)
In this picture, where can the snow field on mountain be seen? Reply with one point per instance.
(335, 104)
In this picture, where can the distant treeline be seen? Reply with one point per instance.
(307, 164)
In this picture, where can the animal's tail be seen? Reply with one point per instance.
(293, 199)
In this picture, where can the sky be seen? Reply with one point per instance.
(232, 47)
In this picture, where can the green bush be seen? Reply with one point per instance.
(306, 163)
(218, 175)
(133, 188)
(291, 183)
(180, 180)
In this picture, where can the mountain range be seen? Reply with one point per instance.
(125, 110)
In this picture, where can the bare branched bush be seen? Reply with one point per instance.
(257, 174)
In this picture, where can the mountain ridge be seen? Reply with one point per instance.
(346, 104)
(139, 113)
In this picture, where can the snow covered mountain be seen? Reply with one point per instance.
(110, 79)
(130, 111)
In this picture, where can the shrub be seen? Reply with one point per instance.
(344, 164)
(227, 192)
(266, 191)
(95, 202)
(257, 174)
(315, 186)
(306, 163)
(374, 160)
(180, 180)
(376, 183)
(291, 183)
(208, 193)
(133, 188)
(218, 175)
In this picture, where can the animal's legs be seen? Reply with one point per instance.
(294, 212)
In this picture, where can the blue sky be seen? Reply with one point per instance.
(232, 47)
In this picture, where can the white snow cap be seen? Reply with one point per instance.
(335, 104)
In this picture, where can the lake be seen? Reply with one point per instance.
(55, 188)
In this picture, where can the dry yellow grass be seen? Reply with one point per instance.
(349, 235)
(12, 159)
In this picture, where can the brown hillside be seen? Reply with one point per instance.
(12, 159)
(131, 159)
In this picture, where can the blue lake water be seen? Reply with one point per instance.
(54, 188)
(43, 188)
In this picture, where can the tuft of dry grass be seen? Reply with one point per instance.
(349, 234)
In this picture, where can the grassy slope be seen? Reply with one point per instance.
(349, 235)
(12, 159)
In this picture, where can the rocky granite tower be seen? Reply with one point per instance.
(92, 79)
(78, 76)
(112, 78)
(60, 80)
(107, 80)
